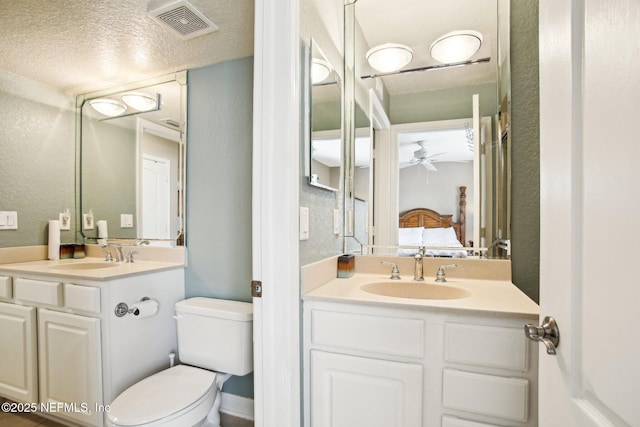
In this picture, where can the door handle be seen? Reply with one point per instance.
(547, 333)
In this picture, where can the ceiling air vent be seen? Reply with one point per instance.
(183, 18)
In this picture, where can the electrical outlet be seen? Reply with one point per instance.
(87, 222)
(65, 220)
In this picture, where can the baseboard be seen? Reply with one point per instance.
(237, 406)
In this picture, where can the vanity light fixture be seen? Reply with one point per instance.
(389, 57)
(140, 101)
(320, 70)
(456, 46)
(108, 107)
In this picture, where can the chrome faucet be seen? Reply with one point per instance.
(118, 248)
(418, 272)
(504, 244)
(440, 275)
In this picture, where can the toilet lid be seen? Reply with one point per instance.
(161, 395)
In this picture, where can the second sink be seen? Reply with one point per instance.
(415, 290)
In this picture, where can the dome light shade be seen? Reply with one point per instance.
(456, 46)
(108, 107)
(389, 57)
(320, 70)
(140, 101)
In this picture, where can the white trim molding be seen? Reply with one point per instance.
(237, 406)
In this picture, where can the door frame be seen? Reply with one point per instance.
(275, 203)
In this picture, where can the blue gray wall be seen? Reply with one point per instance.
(37, 162)
(219, 149)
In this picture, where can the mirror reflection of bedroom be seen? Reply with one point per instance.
(448, 171)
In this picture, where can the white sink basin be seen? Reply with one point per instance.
(415, 290)
(83, 266)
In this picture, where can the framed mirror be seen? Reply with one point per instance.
(325, 140)
(131, 141)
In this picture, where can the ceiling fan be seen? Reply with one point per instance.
(423, 157)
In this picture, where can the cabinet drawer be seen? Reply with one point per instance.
(486, 394)
(38, 291)
(83, 298)
(6, 290)
(458, 422)
(492, 346)
(361, 332)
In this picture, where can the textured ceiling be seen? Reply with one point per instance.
(79, 46)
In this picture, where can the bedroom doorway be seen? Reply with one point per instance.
(434, 160)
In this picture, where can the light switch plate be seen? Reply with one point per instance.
(336, 221)
(126, 220)
(304, 223)
(8, 220)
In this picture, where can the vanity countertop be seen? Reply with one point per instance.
(96, 268)
(496, 297)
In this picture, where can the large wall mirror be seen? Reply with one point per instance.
(131, 141)
(449, 138)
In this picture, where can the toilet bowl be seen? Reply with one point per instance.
(179, 396)
(213, 335)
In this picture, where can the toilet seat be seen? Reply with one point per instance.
(164, 396)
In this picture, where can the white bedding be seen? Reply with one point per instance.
(432, 239)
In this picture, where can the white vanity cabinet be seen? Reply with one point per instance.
(375, 365)
(64, 349)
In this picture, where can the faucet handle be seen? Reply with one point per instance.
(130, 256)
(440, 275)
(108, 256)
(395, 272)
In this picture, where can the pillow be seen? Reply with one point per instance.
(410, 236)
(440, 237)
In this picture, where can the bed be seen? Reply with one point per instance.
(426, 227)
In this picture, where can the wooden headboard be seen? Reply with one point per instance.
(428, 218)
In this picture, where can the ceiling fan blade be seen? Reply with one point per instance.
(430, 167)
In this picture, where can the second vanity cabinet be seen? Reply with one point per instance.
(380, 366)
(64, 349)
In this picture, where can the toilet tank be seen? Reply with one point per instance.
(216, 334)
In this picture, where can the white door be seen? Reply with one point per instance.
(156, 197)
(70, 365)
(590, 188)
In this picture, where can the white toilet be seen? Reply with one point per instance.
(213, 335)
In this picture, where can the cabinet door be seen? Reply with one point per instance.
(18, 353)
(70, 365)
(348, 391)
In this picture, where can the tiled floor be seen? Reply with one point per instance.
(8, 419)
